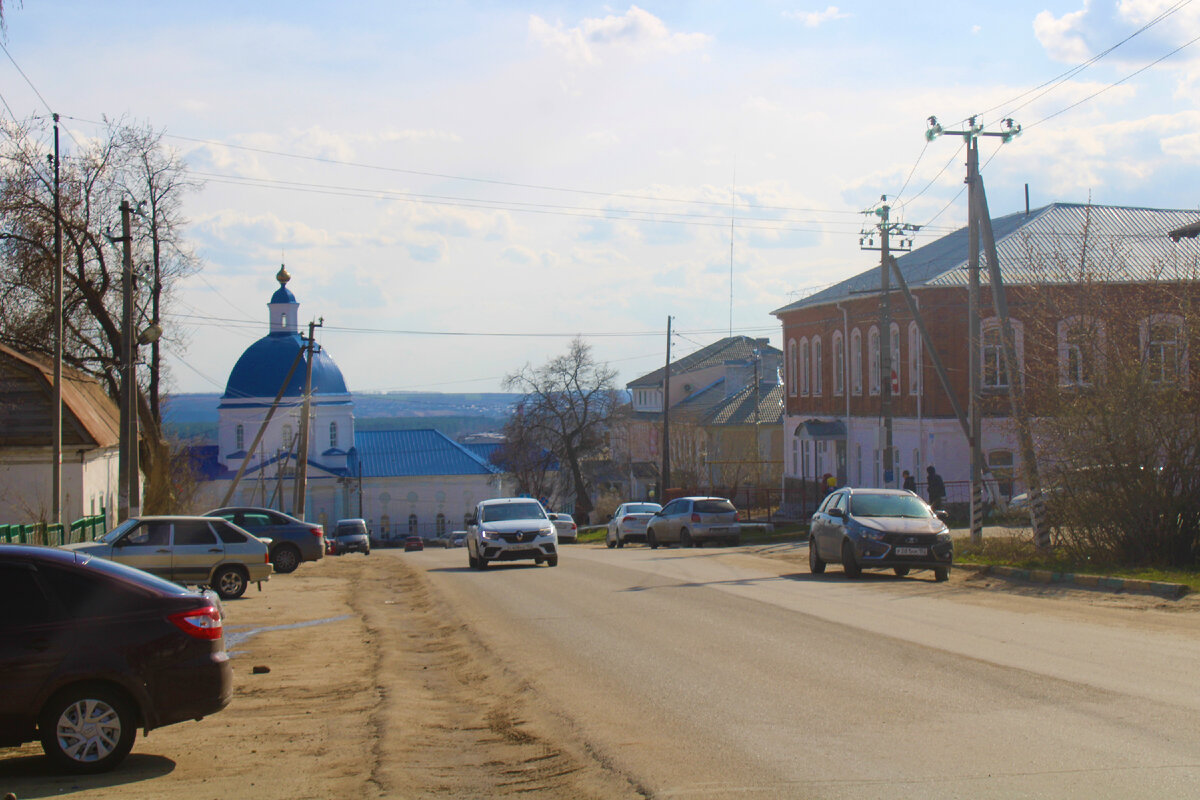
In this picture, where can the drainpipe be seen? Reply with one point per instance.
(920, 396)
(846, 378)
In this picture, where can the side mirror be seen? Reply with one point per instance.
(941, 514)
(471, 520)
(839, 513)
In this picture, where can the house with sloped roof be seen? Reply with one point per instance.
(1067, 269)
(696, 384)
(90, 442)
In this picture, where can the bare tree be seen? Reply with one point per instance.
(568, 403)
(526, 455)
(125, 160)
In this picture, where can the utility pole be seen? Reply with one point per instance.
(302, 450)
(665, 477)
(128, 504)
(889, 373)
(56, 423)
(980, 223)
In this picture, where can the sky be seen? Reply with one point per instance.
(459, 188)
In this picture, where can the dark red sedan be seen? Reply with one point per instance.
(414, 543)
(91, 650)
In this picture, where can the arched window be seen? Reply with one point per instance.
(1164, 349)
(804, 362)
(839, 364)
(333, 434)
(816, 366)
(914, 359)
(412, 524)
(385, 525)
(440, 522)
(894, 363)
(792, 367)
(287, 436)
(991, 346)
(239, 436)
(873, 360)
(856, 362)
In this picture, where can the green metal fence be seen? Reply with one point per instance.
(50, 534)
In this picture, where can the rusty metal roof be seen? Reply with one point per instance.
(1058, 243)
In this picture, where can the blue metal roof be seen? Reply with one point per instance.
(283, 295)
(417, 452)
(484, 449)
(263, 366)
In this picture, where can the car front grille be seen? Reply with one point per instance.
(520, 536)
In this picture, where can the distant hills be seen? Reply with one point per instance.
(194, 416)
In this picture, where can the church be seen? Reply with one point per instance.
(402, 482)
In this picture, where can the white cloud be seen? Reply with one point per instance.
(1063, 37)
(814, 19)
(636, 32)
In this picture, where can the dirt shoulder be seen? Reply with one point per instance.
(372, 692)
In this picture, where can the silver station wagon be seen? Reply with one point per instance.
(200, 551)
(693, 521)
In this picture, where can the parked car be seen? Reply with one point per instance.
(93, 650)
(511, 528)
(628, 523)
(350, 536)
(414, 543)
(564, 525)
(198, 551)
(879, 529)
(693, 521)
(292, 540)
(457, 539)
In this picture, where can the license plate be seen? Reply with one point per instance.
(912, 551)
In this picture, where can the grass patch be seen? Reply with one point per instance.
(1019, 552)
(593, 533)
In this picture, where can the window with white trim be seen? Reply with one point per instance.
(1164, 349)
(816, 366)
(873, 360)
(1080, 341)
(333, 434)
(914, 358)
(804, 366)
(991, 353)
(839, 364)
(239, 436)
(791, 367)
(856, 361)
(894, 364)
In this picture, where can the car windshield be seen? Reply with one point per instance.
(642, 508)
(889, 505)
(503, 512)
(117, 532)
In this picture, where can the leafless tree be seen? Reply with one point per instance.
(568, 402)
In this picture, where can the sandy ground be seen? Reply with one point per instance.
(369, 695)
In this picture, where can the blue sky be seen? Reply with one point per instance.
(547, 169)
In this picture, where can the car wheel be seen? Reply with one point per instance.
(285, 559)
(87, 729)
(620, 542)
(941, 574)
(610, 543)
(651, 540)
(230, 583)
(552, 561)
(472, 561)
(816, 565)
(685, 538)
(900, 571)
(483, 562)
(849, 562)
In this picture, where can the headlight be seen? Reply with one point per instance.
(943, 537)
(548, 531)
(488, 535)
(871, 533)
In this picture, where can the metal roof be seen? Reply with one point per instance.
(1058, 243)
(738, 409)
(416, 452)
(731, 348)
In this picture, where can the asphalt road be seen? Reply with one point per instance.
(719, 673)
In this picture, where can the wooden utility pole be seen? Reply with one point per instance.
(127, 502)
(56, 411)
(302, 451)
(665, 477)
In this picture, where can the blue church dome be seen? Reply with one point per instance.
(263, 366)
(261, 370)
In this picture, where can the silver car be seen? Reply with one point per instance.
(201, 551)
(351, 536)
(692, 521)
(565, 525)
(628, 523)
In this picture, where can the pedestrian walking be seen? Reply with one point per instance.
(828, 484)
(910, 483)
(936, 487)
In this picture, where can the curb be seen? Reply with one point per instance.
(1172, 591)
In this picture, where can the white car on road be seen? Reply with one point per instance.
(628, 523)
(508, 529)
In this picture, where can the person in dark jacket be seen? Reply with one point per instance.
(909, 484)
(937, 488)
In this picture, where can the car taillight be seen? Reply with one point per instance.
(573, 526)
(199, 623)
(267, 557)
(695, 517)
(317, 531)
(735, 516)
(626, 519)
